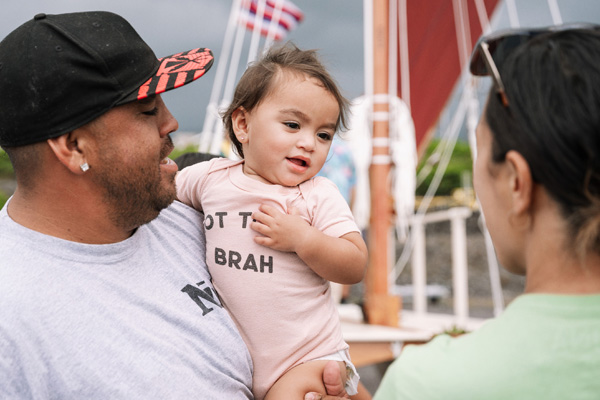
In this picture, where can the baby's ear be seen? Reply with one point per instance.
(239, 123)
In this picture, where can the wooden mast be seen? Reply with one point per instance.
(381, 308)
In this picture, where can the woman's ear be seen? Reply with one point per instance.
(69, 150)
(239, 123)
(521, 183)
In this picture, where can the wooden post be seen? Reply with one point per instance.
(381, 308)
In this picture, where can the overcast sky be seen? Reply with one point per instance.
(335, 27)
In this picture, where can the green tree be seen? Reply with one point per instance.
(460, 163)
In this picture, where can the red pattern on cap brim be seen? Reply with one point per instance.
(177, 70)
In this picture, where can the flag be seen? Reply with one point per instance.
(289, 16)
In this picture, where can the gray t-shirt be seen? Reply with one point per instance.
(137, 319)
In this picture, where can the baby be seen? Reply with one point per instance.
(276, 234)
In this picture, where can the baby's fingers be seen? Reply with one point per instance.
(260, 226)
(264, 241)
(268, 210)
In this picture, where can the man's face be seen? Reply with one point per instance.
(129, 163)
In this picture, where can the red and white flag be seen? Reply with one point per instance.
(280, 16)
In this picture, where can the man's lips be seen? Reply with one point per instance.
(167, 149)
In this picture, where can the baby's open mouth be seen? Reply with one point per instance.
(298, 161)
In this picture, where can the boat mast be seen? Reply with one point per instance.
(381, 308)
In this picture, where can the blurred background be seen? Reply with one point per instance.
(337, 29)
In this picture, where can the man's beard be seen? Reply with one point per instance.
(135, 195)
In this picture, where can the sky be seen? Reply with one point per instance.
(334, 27)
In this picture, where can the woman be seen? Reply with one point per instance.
(537, 176)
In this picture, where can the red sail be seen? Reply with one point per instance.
(434, 57)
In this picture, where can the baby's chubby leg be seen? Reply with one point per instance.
(304, 378)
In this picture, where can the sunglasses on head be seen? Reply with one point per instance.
(491, 50)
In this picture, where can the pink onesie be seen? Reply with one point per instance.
(283, 309)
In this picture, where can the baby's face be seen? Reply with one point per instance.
(288, 135)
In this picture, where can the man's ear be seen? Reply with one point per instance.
(239, 123)
(521, 183)
(68, 149)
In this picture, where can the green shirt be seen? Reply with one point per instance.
(541, 347)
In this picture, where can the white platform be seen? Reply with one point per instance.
(357, 332)
(413, 327)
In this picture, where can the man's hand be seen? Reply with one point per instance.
(332, 380)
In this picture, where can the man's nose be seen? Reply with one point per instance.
(168, 123)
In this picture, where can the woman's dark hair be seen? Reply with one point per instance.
(260, 77)
(553, 120)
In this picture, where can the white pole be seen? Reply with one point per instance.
(277, 12)
(484, 20)
(555, 11)
(404, 56)
(463, 38)
(256, 32)
(419, 268)
(208, 130)
(217, 138)
(212, 109)
(234, 65)
(393, 51)
(497, 296)
(368, 49)
(217, 142)
(513, 15)
(460, 277)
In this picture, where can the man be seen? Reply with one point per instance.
(103, 291)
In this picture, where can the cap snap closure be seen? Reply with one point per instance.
(39, 16)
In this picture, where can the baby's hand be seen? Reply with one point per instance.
(280, 231)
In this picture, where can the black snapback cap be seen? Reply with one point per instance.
(59, 72)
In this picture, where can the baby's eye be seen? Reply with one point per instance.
(152, 112)
(324, 136)
(293, 125)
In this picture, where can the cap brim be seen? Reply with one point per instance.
(174, 71)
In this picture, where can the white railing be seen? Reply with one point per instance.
(457, 217)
